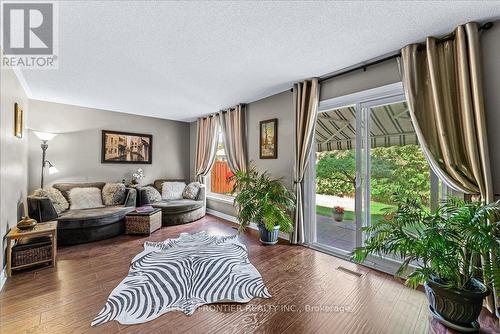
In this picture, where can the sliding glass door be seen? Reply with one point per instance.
(335, 191)
(365, 153)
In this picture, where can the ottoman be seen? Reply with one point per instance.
(143, 222)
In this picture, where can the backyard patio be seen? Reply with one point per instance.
(337, 234)
(330, 232)
(341, 234)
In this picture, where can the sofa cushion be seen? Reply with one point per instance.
(113, 194)
(172, 190)
(92, 217)
(58, 200)
(178, 206)
(85, 198)
(191, 191)
(64, 188)
(158, 184)
(152, 194)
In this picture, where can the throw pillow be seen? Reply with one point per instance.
(152, 194)
(172, 190)
(191, 191)
(85, 198)
(113, 193)
(55, 196)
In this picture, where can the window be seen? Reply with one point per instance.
(218, 182)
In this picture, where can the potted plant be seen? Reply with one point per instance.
(443, 251)
(338, 213)
(264, 201)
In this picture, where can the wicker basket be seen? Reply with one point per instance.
(143, 224)
(31, 252)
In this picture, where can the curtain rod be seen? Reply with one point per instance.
(393, 55)
(223, 111)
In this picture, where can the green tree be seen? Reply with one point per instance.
(392, 169)
(336, 173)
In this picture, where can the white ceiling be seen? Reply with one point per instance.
(181, 60)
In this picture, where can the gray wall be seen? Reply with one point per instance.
(278, 106)
(13, 157)
(375, 76)
(491, 80)
(76, 151)
(223, 207)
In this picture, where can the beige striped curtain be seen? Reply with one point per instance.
(305, 104)
(206, 145)
(443, 86)
(233, 127)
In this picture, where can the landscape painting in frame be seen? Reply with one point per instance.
(269, 139)
(126, 147)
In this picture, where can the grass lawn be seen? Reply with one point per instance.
(377, 211)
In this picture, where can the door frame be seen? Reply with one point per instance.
(362, 101)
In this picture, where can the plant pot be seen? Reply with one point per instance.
(338, 217)
(456, 308)
(268, 237)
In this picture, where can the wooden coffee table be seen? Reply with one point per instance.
(41, 229)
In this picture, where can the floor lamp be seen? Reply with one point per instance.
(44, 138)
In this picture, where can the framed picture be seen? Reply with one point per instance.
(268, 139)
(18, 121)
(126, 148)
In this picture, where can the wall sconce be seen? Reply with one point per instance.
(44, 138)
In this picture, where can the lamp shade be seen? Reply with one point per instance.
(53, 170)
(45, 136)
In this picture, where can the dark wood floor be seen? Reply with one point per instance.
(65, 299)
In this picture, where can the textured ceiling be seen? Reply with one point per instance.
(180, 60)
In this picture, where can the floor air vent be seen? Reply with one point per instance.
(348, 271)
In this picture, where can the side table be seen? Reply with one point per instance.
(143, 222)
(41, 229)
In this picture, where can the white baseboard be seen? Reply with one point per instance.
(3, 278)
(233, 219)
(223, 215)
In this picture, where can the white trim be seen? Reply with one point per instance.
(233, 219)
(383, 264)
(20, 77)
(3, 278)
(359, 97)
(220, 198)
(222, 215)
(22, 81)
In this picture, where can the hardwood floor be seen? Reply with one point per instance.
(310, 295)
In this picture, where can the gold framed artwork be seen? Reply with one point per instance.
(18, 121)
(268, 139)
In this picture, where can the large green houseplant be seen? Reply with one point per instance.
(263, 200)
(442, 250)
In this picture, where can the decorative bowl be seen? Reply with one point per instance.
(26, 223)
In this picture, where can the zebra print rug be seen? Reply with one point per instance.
(181, 275)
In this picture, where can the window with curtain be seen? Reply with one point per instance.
(218, 182)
